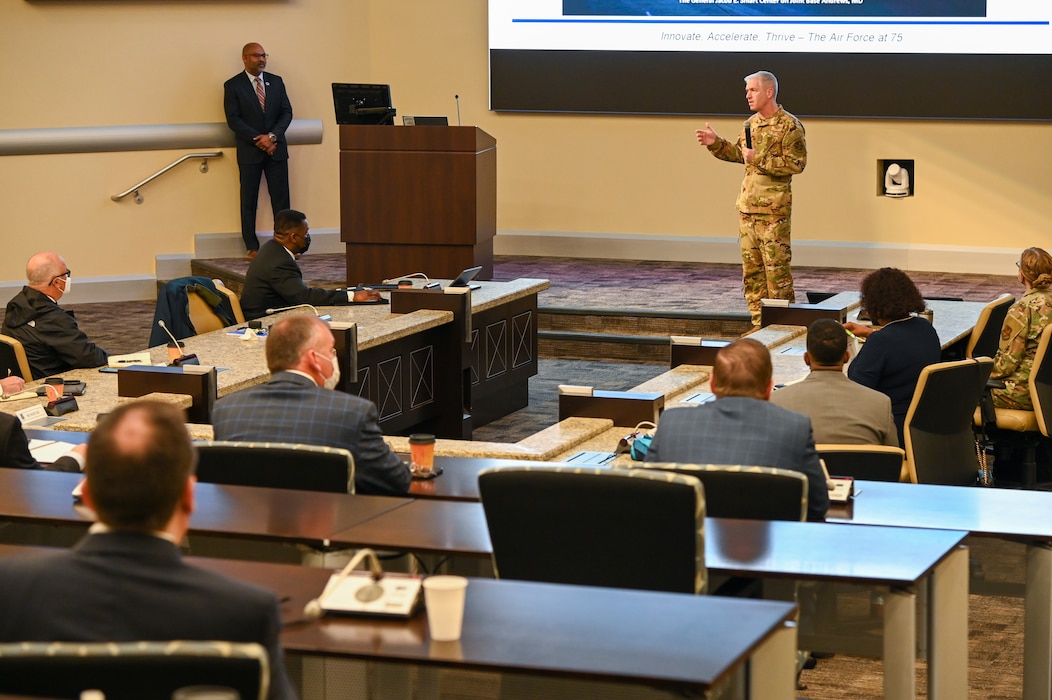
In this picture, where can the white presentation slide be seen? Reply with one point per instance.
(775, 26)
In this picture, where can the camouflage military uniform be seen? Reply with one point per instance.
(1015, 355)
(765, 204)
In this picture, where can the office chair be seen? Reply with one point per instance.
(1026, 428)
(13, 358)
(132, 670)
(632, 528)
(276, 465)
(987, 331)
(940, 442)
(749, 493)
(202, 306)
(868, 462)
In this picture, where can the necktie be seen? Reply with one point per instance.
(259, 93)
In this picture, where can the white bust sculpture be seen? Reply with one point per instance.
(896, 181)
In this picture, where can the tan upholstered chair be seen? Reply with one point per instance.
(1031, 425)
(940, 441)
(13, 358)
(987, 331)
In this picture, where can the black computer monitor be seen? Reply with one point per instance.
(358, 103)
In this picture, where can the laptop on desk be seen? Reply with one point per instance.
(465, 277)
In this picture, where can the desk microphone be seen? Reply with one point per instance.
(183, 358)
(748, 135)
(457, 98)
(313, 610)
(295, 306)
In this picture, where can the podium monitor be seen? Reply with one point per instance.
(362, 104)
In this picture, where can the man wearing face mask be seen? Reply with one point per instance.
(52, 339)
(297, 405)
(274, 279)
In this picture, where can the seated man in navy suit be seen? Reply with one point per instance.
(742, 426)
(126, 580)
(298, 405)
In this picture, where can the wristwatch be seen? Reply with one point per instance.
(273, 138)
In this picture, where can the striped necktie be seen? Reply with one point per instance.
(260, 94)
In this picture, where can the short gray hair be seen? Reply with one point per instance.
(767, 78)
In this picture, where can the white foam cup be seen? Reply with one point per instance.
(444, 599)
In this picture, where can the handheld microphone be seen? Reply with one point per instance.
(183, 358)
(295, 306)
(457, 98)
(313, 610)
(748, 135)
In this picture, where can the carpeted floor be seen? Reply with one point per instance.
(995, 623)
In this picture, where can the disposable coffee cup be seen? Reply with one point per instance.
(422, 453)
(444, 599)
(175, 351)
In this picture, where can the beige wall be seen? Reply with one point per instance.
(86, 64)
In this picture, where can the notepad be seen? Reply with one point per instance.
(49, 451)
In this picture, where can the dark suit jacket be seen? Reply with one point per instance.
(274, 280)
(125, 587)
(247, 120)
(14, 449)
(292, 408)
(739, 430)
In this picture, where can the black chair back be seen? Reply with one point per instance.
(748, 493)
(596, 527)
(869, 462)
(132, 670)
(940, 442)
(276, 465)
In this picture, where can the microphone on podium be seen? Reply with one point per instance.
(457, 98)
(295, 306)
(183, 358)
(313, 610)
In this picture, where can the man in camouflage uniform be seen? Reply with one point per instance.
(1021, 332)
(766, 200)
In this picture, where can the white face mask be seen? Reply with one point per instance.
(334, 378)
(67, 284)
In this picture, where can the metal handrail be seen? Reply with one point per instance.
(135, 188)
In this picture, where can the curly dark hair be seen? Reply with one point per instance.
(888, 294)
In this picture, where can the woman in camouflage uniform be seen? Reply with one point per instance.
(1022, 329)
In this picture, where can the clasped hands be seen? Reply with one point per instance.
(264, 144)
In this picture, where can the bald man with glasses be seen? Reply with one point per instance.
(52, 339)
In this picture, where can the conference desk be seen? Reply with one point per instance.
(403, 360)
(564, 637)
(1022, 516)
(896, 558)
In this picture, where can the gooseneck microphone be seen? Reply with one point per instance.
(183, 358)
(295, 306)
(457, 98)
(313, 610)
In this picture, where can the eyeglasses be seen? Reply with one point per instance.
(66, 275)
(1019, 264)
(259, 55)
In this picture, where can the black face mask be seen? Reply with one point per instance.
(306, 245)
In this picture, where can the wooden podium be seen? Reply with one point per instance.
(417, 199)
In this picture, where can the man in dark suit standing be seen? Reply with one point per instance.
(742, 426)
(258, 111)
(298, 406)
(126, 580)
